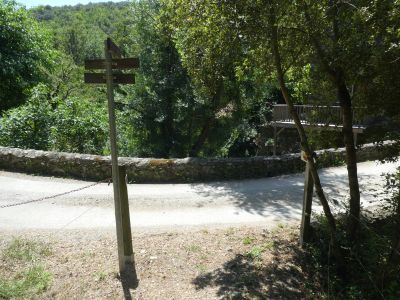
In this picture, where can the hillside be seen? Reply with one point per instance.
(79, 30)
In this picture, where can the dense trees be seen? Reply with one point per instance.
(161, 104)
(326, 47)
(24, 54)
(207, 79)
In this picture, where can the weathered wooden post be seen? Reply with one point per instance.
(305, 226)
(126, 222)
(114, 155)
(275, 141)
(112, 61)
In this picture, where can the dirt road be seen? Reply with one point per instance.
(152, 206)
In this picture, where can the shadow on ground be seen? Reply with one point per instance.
(282, 196)
(246, 277)
(262, 196)
(129, 280)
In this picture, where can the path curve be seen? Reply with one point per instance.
(266, 201)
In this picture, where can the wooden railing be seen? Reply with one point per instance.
(318, 115)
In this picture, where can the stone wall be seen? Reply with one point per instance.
(146, 170)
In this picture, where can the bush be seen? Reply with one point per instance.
(28, 126)
(80, 126)
(73, 125)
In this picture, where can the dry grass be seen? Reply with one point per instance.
(245, 263)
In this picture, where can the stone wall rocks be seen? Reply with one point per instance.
(150, 170)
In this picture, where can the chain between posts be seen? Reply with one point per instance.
(57, 195)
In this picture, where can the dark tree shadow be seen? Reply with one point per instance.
(129, 280)
(264, 196)
(245, 277)
(281, 196)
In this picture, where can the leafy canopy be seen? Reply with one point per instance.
(24, 54)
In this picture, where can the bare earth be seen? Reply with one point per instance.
(206, 264)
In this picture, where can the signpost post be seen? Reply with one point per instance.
(307, 202)
(112, 61)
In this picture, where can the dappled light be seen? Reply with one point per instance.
(245, 277)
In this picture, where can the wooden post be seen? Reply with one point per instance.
(113, 60)
(114, 156)
(126, 222)
(355, 139)
(307, 204)
(275, 141)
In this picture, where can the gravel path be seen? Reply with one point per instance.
(266, 201)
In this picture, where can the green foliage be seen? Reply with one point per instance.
(79, 126)
(234, 92)
(368, 261)
(160, 120)
(248, 240)
(79, 31)
(43, 123)
(207, 77)
(28, 126)
(25, 284)
(24, 54)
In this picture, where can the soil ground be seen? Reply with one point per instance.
(228, 263)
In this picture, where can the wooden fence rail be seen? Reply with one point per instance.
(319, 115)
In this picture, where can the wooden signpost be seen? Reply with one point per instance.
(305, 226)
(113, 61)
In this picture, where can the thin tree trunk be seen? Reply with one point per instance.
(351, 157)
(209, 122)
(337, 78)
(303, 138)
(201, 139)
(168, 126)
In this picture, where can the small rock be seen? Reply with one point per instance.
(153, 257)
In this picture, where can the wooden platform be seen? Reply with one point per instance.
(316, 117)
(318, 126)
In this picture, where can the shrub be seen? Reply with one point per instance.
(28, 126)
(79, 126)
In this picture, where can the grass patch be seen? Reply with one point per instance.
(247, 240)
(26, 250)
(100, 276)
(255, 252)
(30, 282)
(28, 276)
(193, 248)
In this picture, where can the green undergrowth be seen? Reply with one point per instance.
(368, 274)
(23, 274)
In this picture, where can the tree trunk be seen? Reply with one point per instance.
(201, 139)
(337, 78)
(303, 139)
(209, 122)
(351, 156)
(168, 126)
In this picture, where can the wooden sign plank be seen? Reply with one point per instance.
(125, 63)
(117, 63)
(94, 78)
(124, 78)
(114, 49)
(93, 64)
(117, 78)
